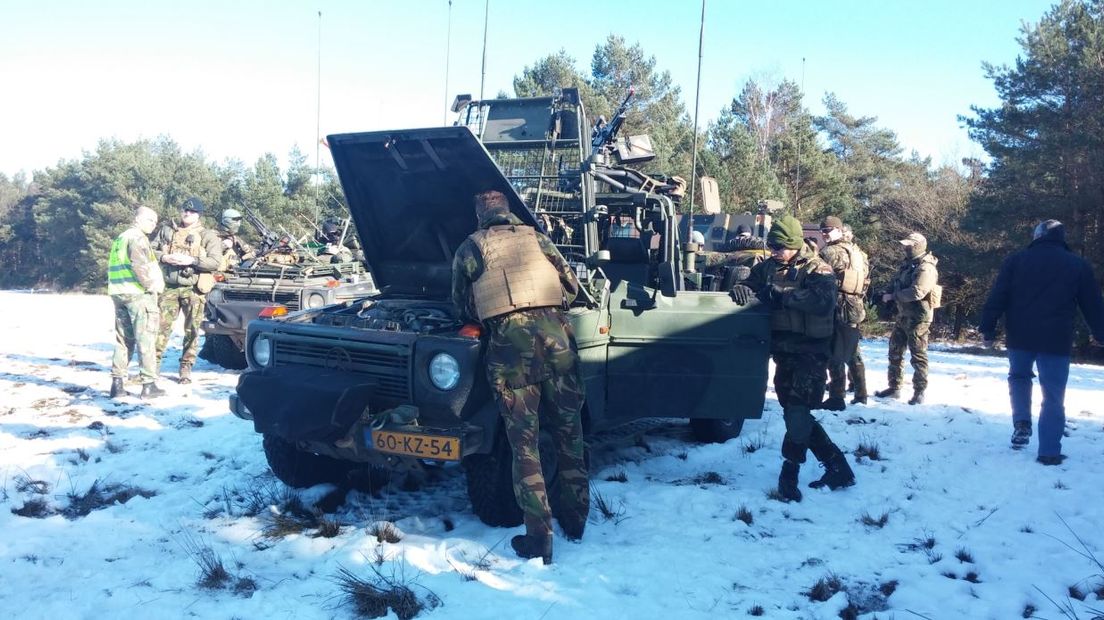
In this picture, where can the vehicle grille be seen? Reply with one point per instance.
(286, 298)
(389, 368)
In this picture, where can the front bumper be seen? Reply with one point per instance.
(231, 318)
(329, 412)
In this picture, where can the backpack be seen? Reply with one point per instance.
(853, 279)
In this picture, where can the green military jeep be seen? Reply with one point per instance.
(396, 380)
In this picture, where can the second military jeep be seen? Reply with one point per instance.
(395, 379)
(266, 283)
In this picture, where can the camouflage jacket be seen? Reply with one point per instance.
(912, 287)
(234, 250)
(527, 346)
(812, 298)
(195, 240)
(850, 309)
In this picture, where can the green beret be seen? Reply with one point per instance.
(786, 232)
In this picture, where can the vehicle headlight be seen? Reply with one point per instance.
(262, 350)
(444, 371)
(316, 300)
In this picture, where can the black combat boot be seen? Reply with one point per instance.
(185, 374)
(150, 390)
(917, 397)
(533, 547)
(1021, 435)
(860, 390)
(889, 392)
(117, 388)
(787, 481)
(837, 471)
(572, 528)
(834, 403)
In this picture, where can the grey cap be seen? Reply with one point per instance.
(229, 215)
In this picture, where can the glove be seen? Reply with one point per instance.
(741, 294)
(771, 296)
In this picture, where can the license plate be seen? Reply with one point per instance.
(437, 447)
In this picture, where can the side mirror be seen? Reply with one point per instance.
(711, 195)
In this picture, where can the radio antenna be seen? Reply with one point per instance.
(318, 130)
(797, 179)
(697, 103)
(448, 54)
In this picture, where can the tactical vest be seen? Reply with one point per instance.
(790, 319)
(853, 279)
(516, 274)
(121, 279)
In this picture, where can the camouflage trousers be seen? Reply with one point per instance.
(845, 349)
(556, 403)
(912, 333)
(856, 371)
(136, 325)
(799, 384)
(174, 301)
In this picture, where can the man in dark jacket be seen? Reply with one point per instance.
(1037, 291)
(510, 279)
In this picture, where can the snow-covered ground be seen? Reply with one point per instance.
(947, 522)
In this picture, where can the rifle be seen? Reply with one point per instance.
(269, 239)
(605, 133)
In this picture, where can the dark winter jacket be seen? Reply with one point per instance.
(1037, 290)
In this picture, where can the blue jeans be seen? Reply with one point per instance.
(1053, 374)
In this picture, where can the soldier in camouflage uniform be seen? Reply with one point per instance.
(234, 249)
(510, 278)
(801, 291)
(849, 263)
(912, 290)
(133, 281)
(743, 250)
(189, 255)
(856, 368)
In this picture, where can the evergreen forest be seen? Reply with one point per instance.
(1045, 147)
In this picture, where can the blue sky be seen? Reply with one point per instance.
(240, 79)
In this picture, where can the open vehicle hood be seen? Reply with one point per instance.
(410, 195)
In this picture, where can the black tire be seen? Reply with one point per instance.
(491, 480)
(713, 430)
(220, 349)
(299, 469)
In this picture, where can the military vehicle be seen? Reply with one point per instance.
(396, 380)
(285, 274)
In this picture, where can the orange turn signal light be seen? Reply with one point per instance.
(471, 330)
(602, 329)
(333, 284)
(271, 312)
(220, 277)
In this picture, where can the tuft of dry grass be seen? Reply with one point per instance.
(34, 508)
(606, 510)
(964, 556)
(756, 610)
(385, 531)
(875, 522)
(620, 476)
(825, 588)
(869, 451)
(373, 596)
(98, 497)
(743, 514)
